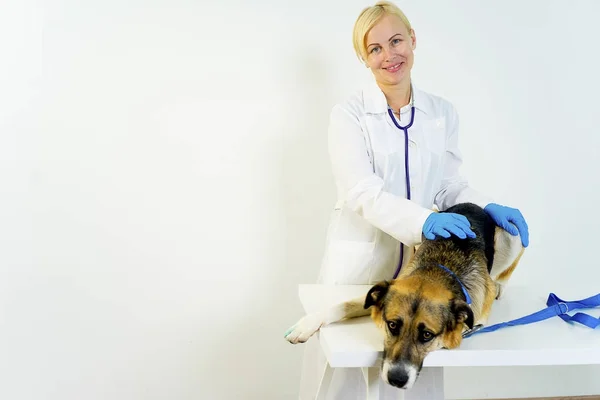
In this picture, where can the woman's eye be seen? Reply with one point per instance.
(375, 50)
(396, 41)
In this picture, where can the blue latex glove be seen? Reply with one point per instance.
(509, 219)
(445, 224)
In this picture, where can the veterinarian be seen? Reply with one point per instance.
(394, 153)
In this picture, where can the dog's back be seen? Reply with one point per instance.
(490, 257)
(483, 226)
(461, 255)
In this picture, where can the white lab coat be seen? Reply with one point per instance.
(372, 216)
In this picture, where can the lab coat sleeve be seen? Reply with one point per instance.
(454, 187)
(364, 190)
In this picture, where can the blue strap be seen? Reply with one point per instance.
(464, 290)
(556, 306)
(584, 319)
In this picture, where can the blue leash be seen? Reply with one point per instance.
(556, 306)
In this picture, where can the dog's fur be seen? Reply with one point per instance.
(424, 308)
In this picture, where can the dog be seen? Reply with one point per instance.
(446, 290)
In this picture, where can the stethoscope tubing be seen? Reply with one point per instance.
(406, 168)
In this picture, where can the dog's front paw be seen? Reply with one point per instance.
(304, 329)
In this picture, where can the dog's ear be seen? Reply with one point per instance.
(463, 314)
(376, 294)
(460, 315)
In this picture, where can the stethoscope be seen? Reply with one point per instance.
(407, 180)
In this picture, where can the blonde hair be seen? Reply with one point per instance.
(368, 18)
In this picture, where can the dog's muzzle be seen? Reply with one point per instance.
(401, 375)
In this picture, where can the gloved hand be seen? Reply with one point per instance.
(509, 219)
(444, 224)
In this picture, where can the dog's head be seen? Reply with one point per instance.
(417, 316)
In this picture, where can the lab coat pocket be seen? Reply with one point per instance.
(348, 262)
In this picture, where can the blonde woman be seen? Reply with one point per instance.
(394, 153)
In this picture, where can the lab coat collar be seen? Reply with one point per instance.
(375, 102)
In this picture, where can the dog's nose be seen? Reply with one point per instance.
(398, 377)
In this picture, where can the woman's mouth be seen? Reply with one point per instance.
(394, 68)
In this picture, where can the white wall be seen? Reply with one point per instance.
(164, 182)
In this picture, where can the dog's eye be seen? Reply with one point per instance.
(393, 327)
(426, 336)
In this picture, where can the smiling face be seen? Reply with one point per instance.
(417, 317)
(389, 46)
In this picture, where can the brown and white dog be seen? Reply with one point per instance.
(426, 307)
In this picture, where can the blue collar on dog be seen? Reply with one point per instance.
(467, 297)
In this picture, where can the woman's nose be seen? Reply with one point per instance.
(387, 53)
